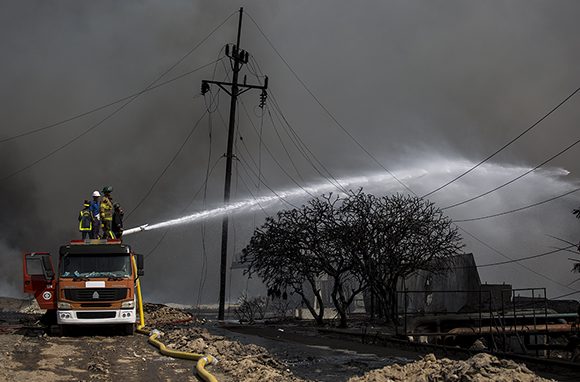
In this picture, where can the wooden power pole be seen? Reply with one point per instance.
(238, 58)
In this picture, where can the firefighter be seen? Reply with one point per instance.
(95, 207)
(106, 212)
(86, 221)
(118, 220)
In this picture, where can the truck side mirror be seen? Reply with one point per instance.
(140, 263)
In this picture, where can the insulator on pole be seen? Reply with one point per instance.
(204, 87)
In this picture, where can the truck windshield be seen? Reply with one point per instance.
(96, 265)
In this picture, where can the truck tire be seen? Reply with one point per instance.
(128, 329)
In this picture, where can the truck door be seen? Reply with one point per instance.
(39, 279)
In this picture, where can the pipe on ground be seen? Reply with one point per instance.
(202, 360)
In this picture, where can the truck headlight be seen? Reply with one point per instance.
(128, 304)
(63, 305)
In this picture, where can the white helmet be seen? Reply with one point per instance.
(96, 193)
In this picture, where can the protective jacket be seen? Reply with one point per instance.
(85, 220)
(106, 209)
(95, 208)
(117, 226)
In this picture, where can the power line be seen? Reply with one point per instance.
(374, 158)
(267, 107)
(77, 137)
(169, 164)
(325, 109)
(68, 143)
(248, 168)
(151, 251)
(265, 146)
(390, 173)
(203, 272)
(504, 146)
(565, 295)
(208, 110)
(514, 179)
(105, 106)
(261, 143)
(272, 156)
(518, 209)
(293, 135)
(527, 257)
(282, 143)
(253, 197)
(515, 261)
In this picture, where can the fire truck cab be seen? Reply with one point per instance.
(94, 283)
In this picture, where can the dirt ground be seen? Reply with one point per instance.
(285, 353)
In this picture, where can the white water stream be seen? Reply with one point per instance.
(421, 178)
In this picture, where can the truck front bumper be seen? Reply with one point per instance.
(96, 317)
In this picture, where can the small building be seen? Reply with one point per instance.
(452, 291)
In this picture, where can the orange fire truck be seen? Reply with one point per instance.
(94, 284)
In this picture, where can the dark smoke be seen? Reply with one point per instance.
(415, 81)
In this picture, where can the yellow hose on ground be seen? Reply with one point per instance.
(202, 360)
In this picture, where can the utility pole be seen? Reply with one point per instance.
(238, 58)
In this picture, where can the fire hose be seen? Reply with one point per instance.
(202, 360)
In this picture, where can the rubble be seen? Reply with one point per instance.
(243, 363)
(31, 307)
(481, 367)
(158, 314)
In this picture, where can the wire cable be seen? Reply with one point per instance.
(380, 164)
(271, 155)
(167, 166)
(246, 168)
(325, 109)
(511, 260)
(527, 257)
(477, 239)
(203, 272)
(294, 136)
(79, 136)
(267, 149)
(105, 106)
(505, 145)
(152, 250)
(259, 134)
(193, 129)
(565, 295)
(514, 179)
(518, 209)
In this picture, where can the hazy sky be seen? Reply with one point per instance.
(426, 86)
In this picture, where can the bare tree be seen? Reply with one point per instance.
(302, 245)
(394, 236)
(323, 221)
(276, 255)
(358, 241)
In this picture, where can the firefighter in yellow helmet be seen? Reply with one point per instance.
(107, 212)
(86, 221)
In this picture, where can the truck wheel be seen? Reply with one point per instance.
(128, 329)
(48, 318)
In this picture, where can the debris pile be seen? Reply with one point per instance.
(481, 367)
(158, 314)
(244, 363)
(30, 307)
